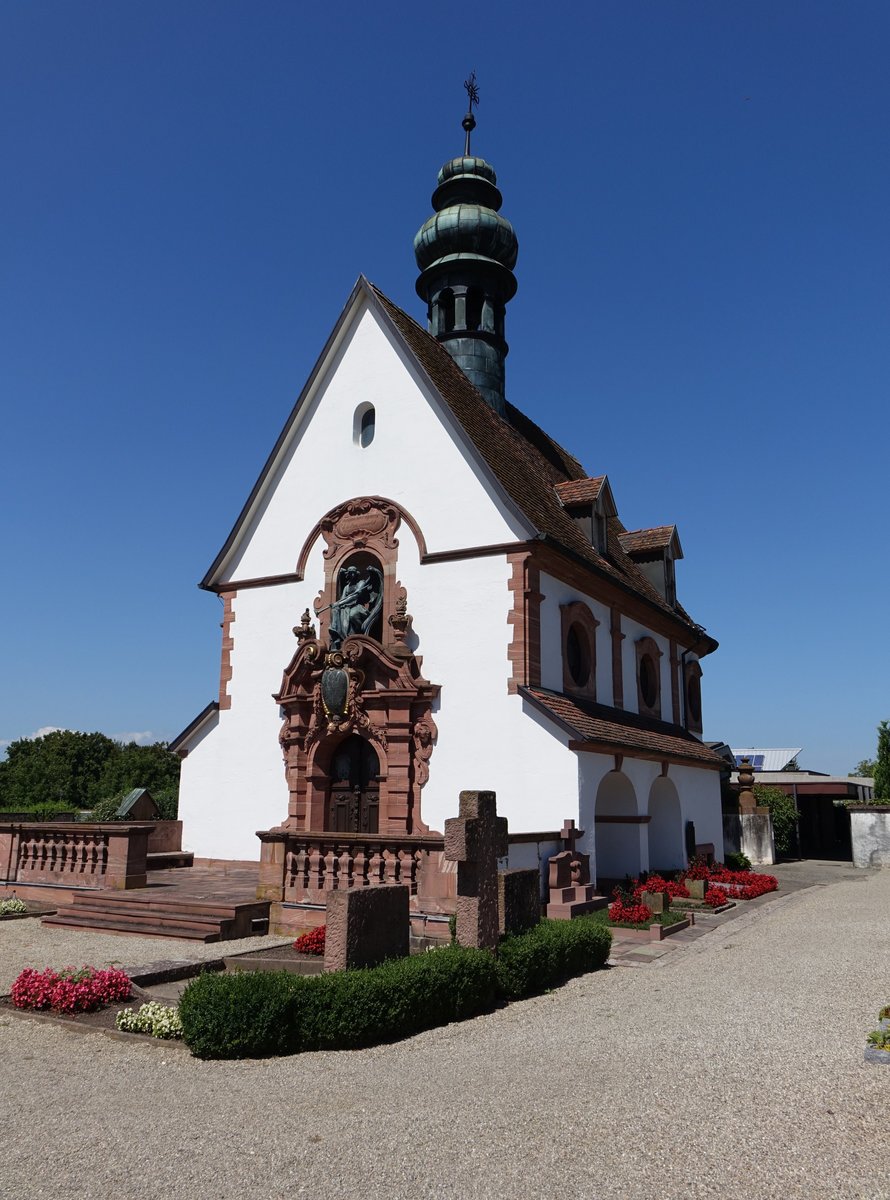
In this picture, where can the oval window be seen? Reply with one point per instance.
(364, 425)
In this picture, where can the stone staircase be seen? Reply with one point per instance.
(145, 912)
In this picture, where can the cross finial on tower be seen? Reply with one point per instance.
(469, 121)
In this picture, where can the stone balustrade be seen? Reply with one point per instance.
(74, 855)
(300, 868)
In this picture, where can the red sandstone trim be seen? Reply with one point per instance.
(647, 646)
(379, 502)
(571, 614)
(524, 650)
(228, 644)
(675, 684)
(617, 665)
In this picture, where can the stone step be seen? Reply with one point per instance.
(137, 916)
(111, 924)
(139, 901)
(166, 860)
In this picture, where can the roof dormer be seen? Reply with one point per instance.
(655, 551)
(590, 503)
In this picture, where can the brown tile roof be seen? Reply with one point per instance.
(640, 540)
(627, 732)
(528, 464)
(579, 491)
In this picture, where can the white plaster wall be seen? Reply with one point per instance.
(233, 781)
(419, 457)
(633, 631)
(698, 790)
(870, 834)
(555, 594)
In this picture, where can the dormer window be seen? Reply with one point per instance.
(590, 504)
(655, 551)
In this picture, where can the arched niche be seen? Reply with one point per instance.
(667, 851)
(617, 828)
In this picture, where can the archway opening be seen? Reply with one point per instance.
(667, 851)
(617, 829)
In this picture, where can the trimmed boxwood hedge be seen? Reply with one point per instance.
(255, 1014)
(550, 953)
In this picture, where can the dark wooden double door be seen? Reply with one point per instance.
(354, 799)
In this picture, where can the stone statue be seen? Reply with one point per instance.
(358, 603)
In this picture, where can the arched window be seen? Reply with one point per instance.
(578, 649)
(364, 425)
(648, 677)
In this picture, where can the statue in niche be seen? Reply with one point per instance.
(358, 604)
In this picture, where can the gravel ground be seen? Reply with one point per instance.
(732, 1070)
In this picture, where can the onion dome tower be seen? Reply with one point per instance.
(466, 252)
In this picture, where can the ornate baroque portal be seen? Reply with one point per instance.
(358, 727)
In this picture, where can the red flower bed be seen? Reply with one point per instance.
(631, 914)
(715, 897)
(71, 990)
(312, 942)
(743, 885)
(657, 883)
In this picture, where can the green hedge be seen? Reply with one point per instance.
(255, 1014)
(550, 953)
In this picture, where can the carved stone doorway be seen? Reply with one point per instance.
(354, 799)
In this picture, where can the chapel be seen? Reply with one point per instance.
(424, 593)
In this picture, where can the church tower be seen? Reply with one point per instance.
(466, 252)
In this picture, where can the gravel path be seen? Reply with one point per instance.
(732, 1070)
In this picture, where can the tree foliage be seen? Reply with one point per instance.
(783, 813)
(864, 769)
(882, 764)
(66, 769)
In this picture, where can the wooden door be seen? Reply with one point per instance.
(354, 801)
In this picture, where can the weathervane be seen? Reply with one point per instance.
(469, 121)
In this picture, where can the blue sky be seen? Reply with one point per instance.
(700, 193)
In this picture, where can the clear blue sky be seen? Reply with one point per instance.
(701, 196)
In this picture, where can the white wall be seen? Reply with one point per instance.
(234, 783)
(418, 457)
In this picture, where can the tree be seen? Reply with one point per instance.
(783, 813)
(73, 770)
(882, 764)
(864, 769)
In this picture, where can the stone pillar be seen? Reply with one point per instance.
(127, 857)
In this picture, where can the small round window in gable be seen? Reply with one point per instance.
(363, 425)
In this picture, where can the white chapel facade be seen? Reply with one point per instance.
(424, 594)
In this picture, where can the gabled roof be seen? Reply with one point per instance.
(579, 491)
(603, 727)
(524, 461)
(647, 541)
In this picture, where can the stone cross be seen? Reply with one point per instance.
(475, 840)
(569, 835)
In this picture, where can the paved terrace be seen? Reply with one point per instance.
(730, 1068)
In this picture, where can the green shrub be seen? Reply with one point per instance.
(550, 953)
(256, 1014)
(783, 815)
(737, 862)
